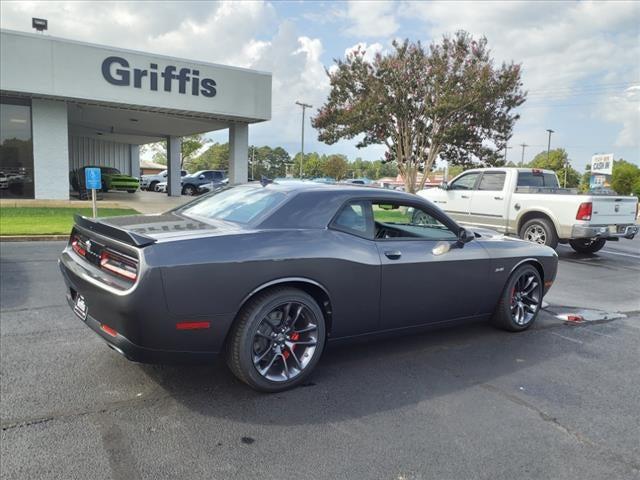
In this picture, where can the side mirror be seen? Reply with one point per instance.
(201, 177)
(444, 186)
(465, 236)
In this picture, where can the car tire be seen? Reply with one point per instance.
(539, 230)
(587, 245)
(105, 189)
(189, 190)
(520, 301)
(131, 191)
(152, 186)
(255, 350)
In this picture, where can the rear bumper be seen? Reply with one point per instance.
(137, 322)
(602, 231)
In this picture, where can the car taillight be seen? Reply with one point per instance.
(78, 246)
(584, 211)
(122, 265)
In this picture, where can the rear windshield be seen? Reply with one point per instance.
(235, 204)
(537, 179)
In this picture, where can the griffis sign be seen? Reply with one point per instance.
(117, 71)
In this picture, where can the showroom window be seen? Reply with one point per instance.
(16, 149)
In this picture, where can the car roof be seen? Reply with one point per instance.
(287, 186)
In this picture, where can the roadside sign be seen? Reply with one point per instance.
(602, 164)
(93, 182)
(92, 178)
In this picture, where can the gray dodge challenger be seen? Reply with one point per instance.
(267, 274)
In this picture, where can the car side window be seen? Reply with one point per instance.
(353, 218)
(492, 181)
(398, 221)
(465, 182)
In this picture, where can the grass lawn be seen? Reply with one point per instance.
(47, 221)
(399, 215)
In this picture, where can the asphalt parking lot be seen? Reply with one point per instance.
(556, 402)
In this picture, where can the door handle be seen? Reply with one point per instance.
(393, 254)
(498, 198)
(464, 196)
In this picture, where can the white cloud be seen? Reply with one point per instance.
(370, 51)
(625, 109)
(372, 18)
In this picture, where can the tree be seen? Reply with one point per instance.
(336, 167)
(216, 157)
(191, 144)
(557, 160)
(624, 177)
(449, 101)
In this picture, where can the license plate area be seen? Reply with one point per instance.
(80, 307)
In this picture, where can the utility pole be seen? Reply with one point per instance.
(505, 153)
(549, 143)
(304, 107)
(523, 145)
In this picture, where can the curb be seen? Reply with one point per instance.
(32, 238)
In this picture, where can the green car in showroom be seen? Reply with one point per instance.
(112, 179)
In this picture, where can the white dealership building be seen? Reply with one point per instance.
(66, 104)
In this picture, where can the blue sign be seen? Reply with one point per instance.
(92, 178)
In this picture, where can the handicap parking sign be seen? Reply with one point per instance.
(92, 177)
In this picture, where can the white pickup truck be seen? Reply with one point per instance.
(529, 203)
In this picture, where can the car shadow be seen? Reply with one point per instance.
(356, 381)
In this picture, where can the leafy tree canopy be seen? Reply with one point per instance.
(625, 178)
(558, 161)
(449, 101)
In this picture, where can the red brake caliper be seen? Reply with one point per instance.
(295, 336)
(513, 295)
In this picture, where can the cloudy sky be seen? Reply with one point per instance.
(581, 60)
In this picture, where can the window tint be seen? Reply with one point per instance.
(217, 175)
(403, 221)
(237, 204)
(466, 182)
(537, 179)
(352, 218)
(492, 181)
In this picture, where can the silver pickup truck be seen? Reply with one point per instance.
(529, 203)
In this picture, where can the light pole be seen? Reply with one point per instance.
(304, 107)
(523, 145)
(549, 143)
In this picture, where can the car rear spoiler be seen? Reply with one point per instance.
(124, 236)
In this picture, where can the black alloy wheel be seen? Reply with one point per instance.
(520, 301)
(189, 190)
(277, 340)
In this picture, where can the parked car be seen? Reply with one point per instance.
(357, 181)
(149, 182)
(190, 183)
(210, 187)
(529, 203)
(266, 275)
(112, 179)
(161, 187)
(4, 181)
